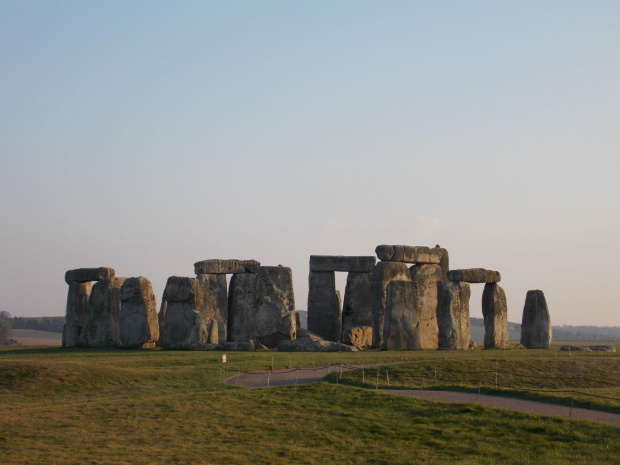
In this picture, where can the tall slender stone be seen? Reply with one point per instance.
(138, 322)
(324, 314)
(495, 313)
(426, 278)
(185, 321)
(274, 319)
(453, 314)
(402, 319)
(215, 303)
(75, 331)
(536, 323)
(241, 307)
(383, 274)
(357, 307)
(105, 308)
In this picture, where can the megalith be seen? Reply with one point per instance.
(324, 310)
(241, 307)
(475, 275)
(444, 263)
(84, 275)
(536, 323)
(402, 322)
(426, 278)
(409, 254)
(384, 273)
(75, 331)
(185, 320)
(453, 314)
(217, 266)
(495, 313)
(274, 318)
(105, 308)
(215, 305)
(138, 324)
(357, 309)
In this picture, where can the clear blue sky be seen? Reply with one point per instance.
(148, 135)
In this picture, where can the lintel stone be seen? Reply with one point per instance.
(84, 275)
(409, 254)
(216, 266)
(359, 264)
(474, 275)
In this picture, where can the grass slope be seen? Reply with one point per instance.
(114, 406)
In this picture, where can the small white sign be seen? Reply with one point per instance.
(224, 358)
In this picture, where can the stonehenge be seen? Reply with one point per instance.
(409, 298)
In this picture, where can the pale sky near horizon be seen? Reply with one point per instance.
(148, 135)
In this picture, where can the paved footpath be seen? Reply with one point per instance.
(312, 375)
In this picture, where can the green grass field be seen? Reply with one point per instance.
(114, 406)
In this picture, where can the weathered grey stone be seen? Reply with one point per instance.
(575, 349)
(357, 264)
(383, 274)
(185, 320)
(474, 275)
(324, 314)
(444, 263)
(75, 331)
(241, 307)
(358, 336)
(426, 278)
(453, 314)
(305, 334)
(312, 345)
(408, 254)
(274, 320)
(216, 266)
(105, 308)
(495, 313)
(84, 275)
(536, 323)
(357, 307)
(298, 320)
(215, 305)
(401, 327)
(138, 318)
(603, 348)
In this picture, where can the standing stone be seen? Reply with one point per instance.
(536, 322)
(495, 313)
(138, 318)
(357, 309)
(75, 331)
(105, 308)
(274, 320)
(453, 314)
(241, 307)
(215, 303)
(324, 314)
(383, 274)
(426, 278)
(185, 320)
(402, 322)
(444, 263)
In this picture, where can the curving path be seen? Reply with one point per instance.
(311, 375)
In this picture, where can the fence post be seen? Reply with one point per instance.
(340, 371)
(496, 380)
(479, 385)
(387, 376)
(268, 378)
(296, 374)
(363, 376)
(377, 385)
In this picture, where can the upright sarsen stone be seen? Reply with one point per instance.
(536, 323)
(357, 309)
(105, 308)
(75, 331)
(383, 274)
(324, 314)
(426, 278)
(138, 318)
(215, 305)
(241, 307)
(402, 322)
(495, 313)
(274, 319)
(453, 314)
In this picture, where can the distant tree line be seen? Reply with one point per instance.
(53, 324)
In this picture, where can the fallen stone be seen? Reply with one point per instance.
(342, 263)
(474, 275)
(358, 336)
(408, 254)
(305, 334)
(75, 331)
(138, 317)
(84, 275)
(575, 349)
(426, 278)
(215, 305)
(259, 346)
(536, 322)
(453, 315)
(603, 348)
(324, 314)
(357, 308)
(274, 320)
(401, 327)
(311, 345)
(241, 307)
(495, 313)
(239, 346)
(383, 274)
(105, 309)
(216, 266)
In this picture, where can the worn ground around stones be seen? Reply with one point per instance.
(261, 379)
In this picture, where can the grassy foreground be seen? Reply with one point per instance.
(113, 406)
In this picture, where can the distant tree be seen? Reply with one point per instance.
(5, 314)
